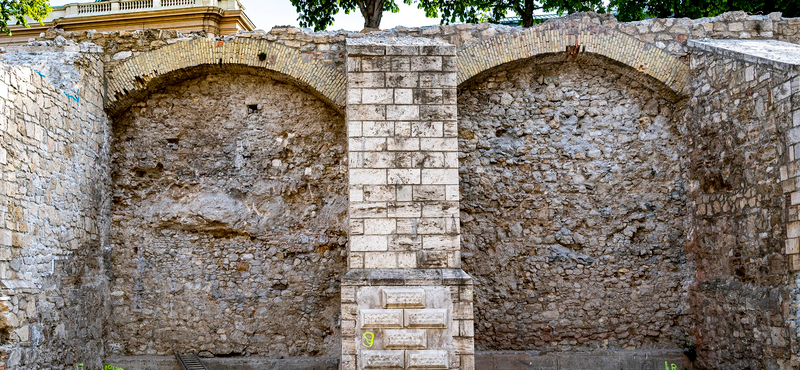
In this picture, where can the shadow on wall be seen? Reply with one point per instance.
(228, 232)
(572, 208)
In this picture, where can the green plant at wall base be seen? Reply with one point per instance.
(17, 10)
(107, 367)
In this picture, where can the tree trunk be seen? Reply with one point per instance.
(372, 10)
(527, 14)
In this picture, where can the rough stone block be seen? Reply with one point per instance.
(378, 128)
(402, 50)
(380, 260)
(404, 209)
(439, 144)
(426, 63)
(405, 243)
(402, 112)
(402, 79)
(403, 176)
(373, 359)
(379, 193)
(366, 80)
(379, 226)
(440, 209)
(462, 311)
(427, 318)
(365, 49)
(437, 112)
(368, 243)
(440, 242)
(429, 192)
(368, 209)
(404, 339)
(464, 345)
(371, 160)
(440, 176)
(377, 96)
(792, 246)
(366, 112)
(361, 144)
(377, 318)
(429, 359)
(403, 298)
(404, 144)
(367, 176)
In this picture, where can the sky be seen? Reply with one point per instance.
(266, 14)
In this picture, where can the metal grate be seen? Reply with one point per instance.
(190, 361)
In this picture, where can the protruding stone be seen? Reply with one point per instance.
(372, 359)
(403, 298)
(380, 318)
(431, 318)
(405, 339)
(426, 359)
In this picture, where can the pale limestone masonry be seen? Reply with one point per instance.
(398, 309)
(623, 192)
(403, 155)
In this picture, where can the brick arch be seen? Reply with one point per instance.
(133, 79)
(651, 62)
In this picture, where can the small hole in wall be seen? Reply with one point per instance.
(252, 108)
(173, 141)
(135, 249)
(262, 56)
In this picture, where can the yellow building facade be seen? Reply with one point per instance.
(215, 17)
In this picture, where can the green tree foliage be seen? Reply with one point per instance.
(17, 10)
(632, 10)
(319, 13)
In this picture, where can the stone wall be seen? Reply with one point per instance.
(668, 34)
(572, 207)
(54, 196)
(734, 123)
(229, 220)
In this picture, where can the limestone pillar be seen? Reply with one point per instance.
(406, 303)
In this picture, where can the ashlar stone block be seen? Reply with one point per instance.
(377, 318)
(373, 359)
(429, 318)
(403, 298)
(430, 359)
(405, 339)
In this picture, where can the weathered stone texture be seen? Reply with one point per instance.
(572, 200)
(735, 122)
(229, 217)
(54, 196)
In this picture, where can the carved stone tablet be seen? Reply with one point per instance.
(403, 298)
(381, 359)
(426, 359)
(431, 318)
(381, 318)
(405, 339)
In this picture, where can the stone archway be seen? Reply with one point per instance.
(133, 79)
(651, 62)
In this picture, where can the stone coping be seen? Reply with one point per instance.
(777, 54)
(407, 277)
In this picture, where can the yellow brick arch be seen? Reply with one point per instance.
(651, 62)
(131, 80)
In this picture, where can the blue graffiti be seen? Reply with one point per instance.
(39, 73)
(74, 97)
